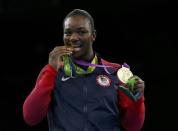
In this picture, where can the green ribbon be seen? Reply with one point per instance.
(71, 69)
(129, 89)
(131, 82)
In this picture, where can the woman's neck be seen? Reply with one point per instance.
(89, 57)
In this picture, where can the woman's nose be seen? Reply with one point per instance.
(74, 37)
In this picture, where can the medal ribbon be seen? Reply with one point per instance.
(71, 69)
(84, 63)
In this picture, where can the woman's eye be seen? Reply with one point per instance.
(67, 33)
(82, 32)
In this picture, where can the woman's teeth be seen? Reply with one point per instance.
(76, 49)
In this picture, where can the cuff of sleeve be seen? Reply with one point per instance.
(135, 97)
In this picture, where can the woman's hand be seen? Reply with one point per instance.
(55, 56)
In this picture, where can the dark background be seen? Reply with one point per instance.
(140, 32)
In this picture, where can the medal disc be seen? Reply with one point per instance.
(124, 74)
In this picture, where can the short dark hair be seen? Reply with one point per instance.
(79, 12)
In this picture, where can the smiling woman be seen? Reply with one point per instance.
(83, 97)
(78, 34)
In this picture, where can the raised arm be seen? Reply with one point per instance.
(132, 112)
(36, 104)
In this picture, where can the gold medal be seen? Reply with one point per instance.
(124, 74)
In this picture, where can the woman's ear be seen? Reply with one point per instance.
(94, 35)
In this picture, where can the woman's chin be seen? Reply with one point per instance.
(76, 55)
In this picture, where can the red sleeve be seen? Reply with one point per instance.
(132, 113)
(36, 104)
